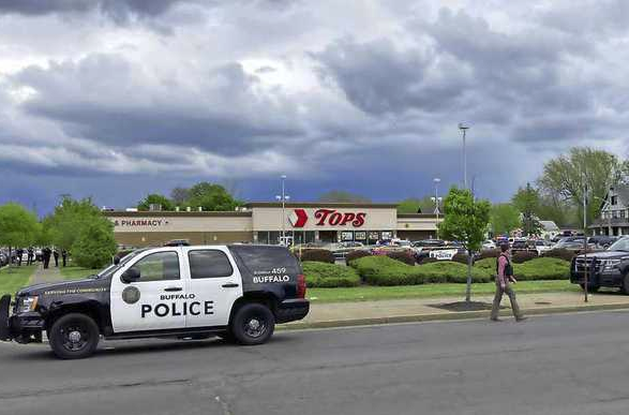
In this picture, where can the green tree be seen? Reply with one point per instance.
(68, 220)
(212, 197)
(18, 226)
(466, 221)
(564, 177)
(340, 196)
(179, 195)
(414, 205)
(504, 218)
(94, 246)
(527, 202)
(156, 199)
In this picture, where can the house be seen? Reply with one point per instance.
(549, 229)
(614, 219)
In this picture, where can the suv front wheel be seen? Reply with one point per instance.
(74, 336)
(253, 324)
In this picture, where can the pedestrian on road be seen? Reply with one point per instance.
(31, 256)
(504, 278)
(46, 252)
(64, 257)
(55, 253)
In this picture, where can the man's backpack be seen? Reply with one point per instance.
(508, 267)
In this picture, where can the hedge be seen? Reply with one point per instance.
(381, 270)
(489, 253)
(535, 269)
(406, 257)
(317, 255)
(564, 254)
(321, 275)
(520, 257)
(354, 255)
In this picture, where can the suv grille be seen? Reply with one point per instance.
(592, 264)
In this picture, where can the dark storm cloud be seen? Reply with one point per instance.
(117, 9)
(99, 98)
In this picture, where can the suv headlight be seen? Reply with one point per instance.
(26, 304)
(609, 264)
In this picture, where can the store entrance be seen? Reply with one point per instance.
(328, 236)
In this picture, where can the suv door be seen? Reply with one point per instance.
(157, 301)
(215, 282)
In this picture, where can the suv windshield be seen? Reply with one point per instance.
(107, 272)
(620, 245)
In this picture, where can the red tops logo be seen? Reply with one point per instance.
(330, 217)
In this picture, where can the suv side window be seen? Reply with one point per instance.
(160, 266)
(209, 264)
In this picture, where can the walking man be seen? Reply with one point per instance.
(504, 278)
(64, 257)
(19, 252)
(31, 256)
(46, 252)
(55, 254)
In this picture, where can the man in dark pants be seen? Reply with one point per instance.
(18, 256)
(64, 257)
(31, 256)
(55, 253)
(46, 252)
(504, 277)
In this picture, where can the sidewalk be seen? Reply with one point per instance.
(42, 275)
(410, 310)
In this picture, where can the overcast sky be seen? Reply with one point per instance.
(119, 98)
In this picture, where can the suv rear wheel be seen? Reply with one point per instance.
(625, 284)
(74, 336)
(253, 324)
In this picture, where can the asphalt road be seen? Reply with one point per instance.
(561, 364)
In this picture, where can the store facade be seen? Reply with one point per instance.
(266, 222)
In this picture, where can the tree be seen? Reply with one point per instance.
(341, 196)
(414, 205)
(95, 245)
(69, 219)
(18, 226)
(466, 221)
(504, 218)
(156, 199)
(564, 177)
(212, 197)
(527, 202)
(179, 195)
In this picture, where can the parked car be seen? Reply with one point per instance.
(602, 241)
(542, 246)
(236, 291)
(609, 268)
(489, 244)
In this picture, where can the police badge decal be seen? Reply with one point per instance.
(131, 295)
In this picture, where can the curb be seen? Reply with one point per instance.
(452, 316)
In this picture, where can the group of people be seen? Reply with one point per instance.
(46, 254)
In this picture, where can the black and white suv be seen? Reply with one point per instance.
(238, 292)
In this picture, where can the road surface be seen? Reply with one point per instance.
(562, 364)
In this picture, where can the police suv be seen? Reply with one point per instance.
(237, 292)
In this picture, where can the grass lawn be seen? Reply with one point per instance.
(76, 273)
(369, 293)
(14, 279)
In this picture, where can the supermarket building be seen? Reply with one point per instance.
(264, 222)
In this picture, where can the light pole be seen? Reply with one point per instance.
(463, 129)
(283, 198)
(436, 199)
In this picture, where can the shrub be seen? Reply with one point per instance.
(94, 246)
(379, 270)
(520, 257)
(426, 260)
(542, 269)
(487, 264)
(489, 253)
(321, 275)
(564, 254)
(317, 255)
(406, 257)
(353, 255)
(460, 258)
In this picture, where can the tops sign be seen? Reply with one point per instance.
(327, 217)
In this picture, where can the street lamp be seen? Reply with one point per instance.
(463, 129)
(436, 200)
(283, 198)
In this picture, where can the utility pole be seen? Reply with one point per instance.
(283, 198)
(436, 199)
(463, 129)
(585, 236)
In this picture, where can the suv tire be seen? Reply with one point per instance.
(625, 284)
(74, 336)
(252, 324)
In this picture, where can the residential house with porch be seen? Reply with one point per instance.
(614, 219)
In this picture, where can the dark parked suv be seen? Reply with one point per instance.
(609, 268)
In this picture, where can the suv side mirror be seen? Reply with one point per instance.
(116, 260)
(130, 275)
